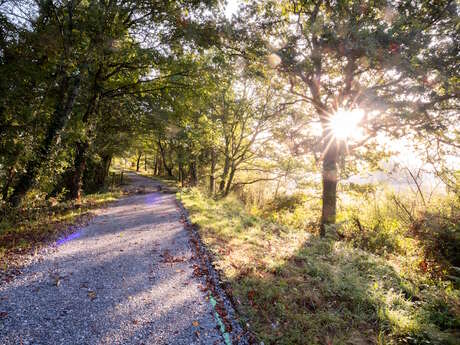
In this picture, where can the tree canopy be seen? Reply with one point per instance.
(285, 90)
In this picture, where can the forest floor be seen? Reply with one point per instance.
(127, 277)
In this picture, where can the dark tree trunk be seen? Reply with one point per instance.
(193, 174)
(329, 179)
(181, 175)
(163, 156)
(145, 162)
(69, 90)
(103, 171)
(106, 160)
(169, 170)
(138, 163)
(76, 181)
(212, 176)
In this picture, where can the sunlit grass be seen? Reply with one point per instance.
(292, 287)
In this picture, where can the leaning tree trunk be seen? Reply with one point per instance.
(329, 180)
(163, 156)
(69, 91)
(224, 174)
(230, 180)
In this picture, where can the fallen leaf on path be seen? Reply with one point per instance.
(3, 314)
(195, 323)
(92, 295)
(168, 258)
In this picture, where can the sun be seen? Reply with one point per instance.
(344, 123)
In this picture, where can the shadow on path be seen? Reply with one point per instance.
(125, 278)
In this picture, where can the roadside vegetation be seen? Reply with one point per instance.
(384, 281)
(43, 220)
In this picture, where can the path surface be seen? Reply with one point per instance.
(125, 278)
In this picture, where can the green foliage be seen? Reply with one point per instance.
(296, 288)
(287, 202)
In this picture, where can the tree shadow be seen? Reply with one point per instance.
(328, 292)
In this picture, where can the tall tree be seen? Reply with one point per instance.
(390, 61)
(88, 51)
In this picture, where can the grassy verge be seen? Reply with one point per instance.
(295, 288)
(23, 229)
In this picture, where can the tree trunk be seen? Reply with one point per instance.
(107, 161)
(329, 179)
(224, 174)
(193, 174)
(76, 182)
(163, 156)
(138, 162)
(212, 176)
(181, 174)
(69, 90)
(161, 169)
(230, 180)
(103, 172)
(169, 170)
(182, 178)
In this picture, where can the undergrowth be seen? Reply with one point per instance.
(293, 287)
(42, 219)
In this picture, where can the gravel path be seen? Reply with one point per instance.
(125, 278)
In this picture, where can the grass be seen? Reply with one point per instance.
(293, 287)
(43, 220)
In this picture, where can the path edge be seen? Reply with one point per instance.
(239, 335)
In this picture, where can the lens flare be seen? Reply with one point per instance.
(344, 123)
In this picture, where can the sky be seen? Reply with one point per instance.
(231, 7)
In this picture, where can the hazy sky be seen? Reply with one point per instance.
(232, 7)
